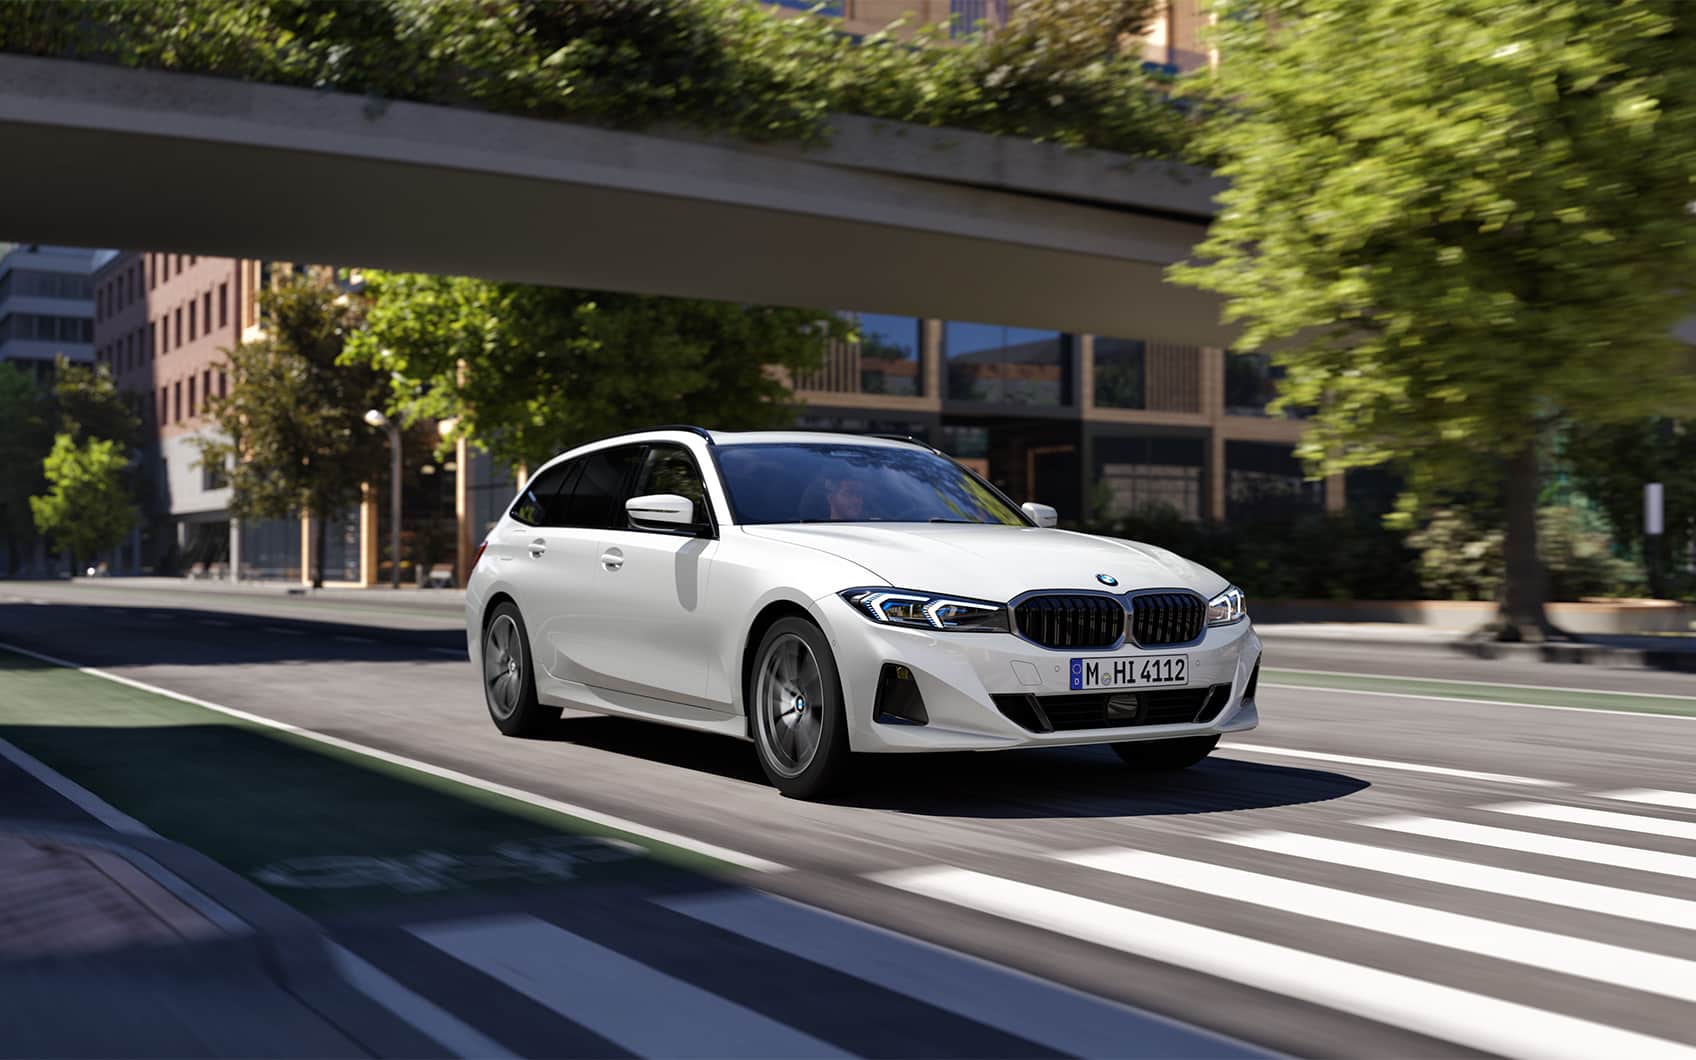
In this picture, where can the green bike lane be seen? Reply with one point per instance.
(325, 828)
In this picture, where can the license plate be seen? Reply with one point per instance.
(1135, 672)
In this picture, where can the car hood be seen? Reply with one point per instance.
(995, 562)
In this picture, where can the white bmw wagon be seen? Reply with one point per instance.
(828, 596)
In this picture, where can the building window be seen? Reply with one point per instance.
(206, 310)
(192, 307)
(177, 266)
(1251, 382)
(164, 406)
(1121, 373)
(177, 402)
(191, 397)
(152, 340)
(224, 305)
(177, 345)
(206, 385)
(1267, 480)
(152, 271)
(1013, 366)
(222, 380)
(1138, 473)
(213, 476)
(889, 355)
(100, 304)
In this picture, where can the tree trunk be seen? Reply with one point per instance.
(319, 535)
(1522, 617)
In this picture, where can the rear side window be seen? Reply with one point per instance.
(538, 503)
(596, 499)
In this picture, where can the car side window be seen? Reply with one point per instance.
(670, 469)
(596, 499)
(538, 502)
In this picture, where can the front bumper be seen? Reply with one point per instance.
(958, 674)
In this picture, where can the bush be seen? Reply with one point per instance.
(1062, 70)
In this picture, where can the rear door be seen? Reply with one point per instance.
(567, 646)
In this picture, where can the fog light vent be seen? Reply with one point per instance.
(898, 698)
(1253, 681)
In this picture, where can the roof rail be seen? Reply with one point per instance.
(690, 427)
(908, 439)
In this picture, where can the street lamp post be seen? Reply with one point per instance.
(377, 419)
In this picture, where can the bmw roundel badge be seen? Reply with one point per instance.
(1106, 579)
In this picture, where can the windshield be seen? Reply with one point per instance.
(802, 483)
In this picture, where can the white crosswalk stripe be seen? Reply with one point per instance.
(1680, 800)
(1624, 822)
(1460, 1016)
(1598, 961)
(624, 1001)
(1595, 898)
(1619, 857)
(1063, 1020)
(1384, 763)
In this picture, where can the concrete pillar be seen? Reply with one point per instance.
(465, 545)
(235, 547)
(308, 554)
(1336, 497)
(369, 557)
(930, 349)
(1215, 473)
(1085, 372)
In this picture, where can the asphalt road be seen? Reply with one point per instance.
(1367, 874)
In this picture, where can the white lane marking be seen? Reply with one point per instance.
(624, 1001)
(355, 640)
(1601, 962)
(1382, 763)
(1482, 702)
(1572, 894)
(659, 835)
(1480, 684)
(1553, 846)
(1624, 822)
(285, 631)
(429, 1019)
(1678, 800)
(1038, 1011)
(1458, 1016)
(75, 793)
(450, 651)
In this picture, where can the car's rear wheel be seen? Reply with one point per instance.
(799, 719)
(509, 684)
(1157, 755)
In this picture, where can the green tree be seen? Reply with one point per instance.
(87, 404)
(26, 435)
(87, 507)
(525, 371)
(1456, 222)
(291, 432)
(1610, 465)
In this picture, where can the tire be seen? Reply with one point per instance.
(796, 711)
(509, 680)
(1163, 755)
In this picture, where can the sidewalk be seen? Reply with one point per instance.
(406, 597)
(1624, 651)
(121, 944)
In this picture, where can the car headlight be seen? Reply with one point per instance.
(906, 607)
(1228, 607)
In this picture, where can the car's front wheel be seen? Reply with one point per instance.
(1166, 754)
(799, 719)
(509, 685)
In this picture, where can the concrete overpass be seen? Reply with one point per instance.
(885, 218)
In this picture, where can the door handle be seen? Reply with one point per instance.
(537, 547)
(612, 559)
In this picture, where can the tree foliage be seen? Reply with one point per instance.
(1455, 222)
(291, 432)
(26, 435)
(87, 507)
(1612, 462)
(1063, 70)
(87, 404)
(527, 371)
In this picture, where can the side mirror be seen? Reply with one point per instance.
(664, 510)
(1041, 514)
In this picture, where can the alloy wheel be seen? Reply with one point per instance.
(789, 701)
(503, 666)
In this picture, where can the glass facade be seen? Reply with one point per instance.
(1010, 366)
(1134, 473)
(1251, 382)
(1263, 479)
(1121, 373)
(889, 355)
(36, 284)
(270, 549)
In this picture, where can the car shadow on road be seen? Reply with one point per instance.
(1045, 782)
